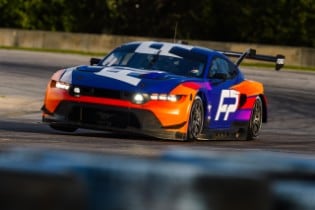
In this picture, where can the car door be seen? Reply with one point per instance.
(222, 75)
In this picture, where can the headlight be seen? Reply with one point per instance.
(165, 97)
(141, 98)
(173, 98)
(75, 91)
(62, 85)
(138, 98)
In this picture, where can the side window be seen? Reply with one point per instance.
(221, 69)
(232, 69)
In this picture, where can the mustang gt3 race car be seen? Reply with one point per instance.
(165, 90)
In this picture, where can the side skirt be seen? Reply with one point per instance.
(237, 132)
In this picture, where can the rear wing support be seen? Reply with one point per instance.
(251, 54)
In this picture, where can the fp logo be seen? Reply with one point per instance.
(228, 104)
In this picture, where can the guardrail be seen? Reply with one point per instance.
(297, 56)
(176, 180)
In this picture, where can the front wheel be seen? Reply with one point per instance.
(255, 120)
(196, 118)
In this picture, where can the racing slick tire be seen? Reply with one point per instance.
(255, 122)
(196, 119)
(63, 128)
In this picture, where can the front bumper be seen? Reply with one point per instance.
(111, 118)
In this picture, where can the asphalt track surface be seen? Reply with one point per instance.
(24, 75)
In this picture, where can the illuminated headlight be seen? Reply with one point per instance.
(76, 90)
(172, 98)
(154, 96)
(62, 85)
(139, 98)
(164, 97)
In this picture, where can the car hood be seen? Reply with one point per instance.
(124, 79)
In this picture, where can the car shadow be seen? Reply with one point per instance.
(42, 128)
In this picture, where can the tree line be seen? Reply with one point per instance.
(280, 22)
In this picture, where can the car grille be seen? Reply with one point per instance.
(102, 93)
(104, 117)
(97, 116)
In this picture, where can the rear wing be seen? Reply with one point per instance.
(251, 54)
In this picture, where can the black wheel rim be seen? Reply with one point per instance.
(196, 119)
(256, 120)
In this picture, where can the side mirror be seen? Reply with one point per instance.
(94, 61)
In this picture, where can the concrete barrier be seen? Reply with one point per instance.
(26, 190)
(291, 177)
(124, 183)
(93, 43)
(175, 180)
(28, 183)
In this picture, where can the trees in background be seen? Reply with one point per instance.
(282, 22)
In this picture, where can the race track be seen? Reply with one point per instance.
(24, 75)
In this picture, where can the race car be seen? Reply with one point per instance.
(160, 89)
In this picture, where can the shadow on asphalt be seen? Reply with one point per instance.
(37, 127)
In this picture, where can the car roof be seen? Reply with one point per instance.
(194, 48)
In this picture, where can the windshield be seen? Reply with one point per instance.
(177, 60)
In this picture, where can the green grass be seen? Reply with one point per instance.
(97, 54)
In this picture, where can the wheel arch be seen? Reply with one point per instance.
(192, 133)
(265, 108)
(203, 97)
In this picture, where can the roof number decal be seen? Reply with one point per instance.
(145, 47)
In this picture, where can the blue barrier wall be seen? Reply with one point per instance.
(176, 180)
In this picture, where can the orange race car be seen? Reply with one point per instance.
(160, 89)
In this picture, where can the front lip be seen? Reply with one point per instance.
(111, 118)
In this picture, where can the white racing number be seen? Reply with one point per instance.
(228, 104)
(146, 48)
(121, 75)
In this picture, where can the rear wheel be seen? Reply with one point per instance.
(196, 118)
(255, 120)
(63, 128)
